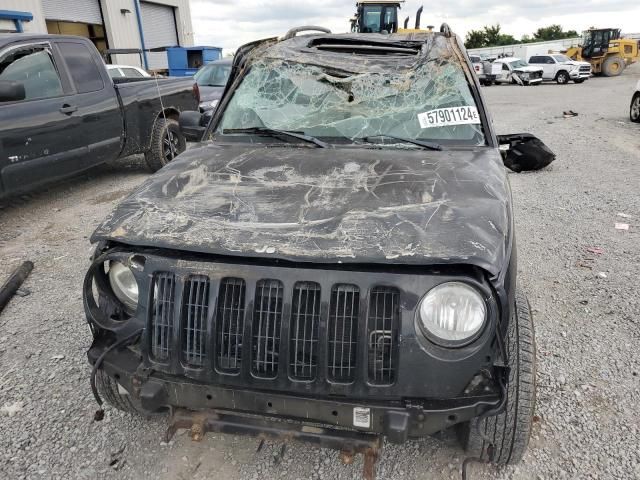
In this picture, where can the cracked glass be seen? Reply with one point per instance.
(348, 96)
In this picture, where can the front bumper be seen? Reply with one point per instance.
(397, 420)
(579, 75)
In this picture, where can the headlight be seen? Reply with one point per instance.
(452, 314)
(209, 105)
(124, 285)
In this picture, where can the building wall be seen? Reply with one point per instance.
(122, 29)
(37, 25)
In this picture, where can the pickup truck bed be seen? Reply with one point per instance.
(61, 113)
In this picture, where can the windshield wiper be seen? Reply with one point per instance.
(421, 143)
(276, 133)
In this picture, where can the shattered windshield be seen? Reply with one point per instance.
(418, 97)
(518, 64)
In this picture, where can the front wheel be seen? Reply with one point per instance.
(634, 111)
(510, 430)
(613, 66)
(167, 142)
(562, 78)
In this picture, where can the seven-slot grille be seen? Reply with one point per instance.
(212, 327)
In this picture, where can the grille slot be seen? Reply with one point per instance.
(195, 307)
(162, 306)
(267, 320)
(382, 334)
(343, 332)
(230, 324)
(305, 320)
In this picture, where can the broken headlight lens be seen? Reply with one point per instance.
(452, 314)
(124, 286)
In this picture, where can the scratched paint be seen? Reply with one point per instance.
(352, 205)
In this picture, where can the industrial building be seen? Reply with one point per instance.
(110, 24)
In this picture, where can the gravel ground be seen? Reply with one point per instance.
(586, 307)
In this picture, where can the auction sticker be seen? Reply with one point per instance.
(362, 417)
(443, 117)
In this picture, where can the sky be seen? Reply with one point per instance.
(231, 23)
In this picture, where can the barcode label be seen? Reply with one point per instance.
(362, 417)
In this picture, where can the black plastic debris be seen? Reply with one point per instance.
(524, 152)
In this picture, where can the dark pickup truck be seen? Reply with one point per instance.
(61, 113)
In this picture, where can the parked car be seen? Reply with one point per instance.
(560, 68)
(61, 113)
(339, 251)
(634, 110)
(127, 71)
(486, 71)
(212, 79)
(516, 70)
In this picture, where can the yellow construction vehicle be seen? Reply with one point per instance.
(606, 51)
(381, 16)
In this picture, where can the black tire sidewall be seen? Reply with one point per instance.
(155, 156)
(636, 98)
(562, 78)
(512, 428)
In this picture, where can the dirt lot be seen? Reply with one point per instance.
(586, 307)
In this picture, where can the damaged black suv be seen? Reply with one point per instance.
(338, 251)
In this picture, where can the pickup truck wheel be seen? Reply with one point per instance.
(108, 389)
(167, 142)
(562, 78)
(634, 110)
(510, 430)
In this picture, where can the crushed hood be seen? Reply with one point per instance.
(349, 205)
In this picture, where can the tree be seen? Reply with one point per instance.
(475, 39)
(489, 36)
(552, 32)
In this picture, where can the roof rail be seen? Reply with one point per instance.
(444, 28)
(294, 31)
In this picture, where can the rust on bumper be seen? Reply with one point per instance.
(348, 442)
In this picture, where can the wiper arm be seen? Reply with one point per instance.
(274, 132)
(421, 143)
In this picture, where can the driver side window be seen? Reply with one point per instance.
(505, 67)
(33, 67)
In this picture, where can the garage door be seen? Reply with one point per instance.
(85, 11)
(159, 27)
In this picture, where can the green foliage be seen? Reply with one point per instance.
(489, 36)
(492, 36)
(552, 32)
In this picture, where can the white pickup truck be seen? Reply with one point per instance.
(560, 68)
(486, 71)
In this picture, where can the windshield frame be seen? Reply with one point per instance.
(245, 56)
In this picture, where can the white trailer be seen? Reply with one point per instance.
(526, 50)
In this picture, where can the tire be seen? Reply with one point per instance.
(108, 389)
(613, 66)
(511, 429)
(634, 109)
(167, 142)
(562, 77)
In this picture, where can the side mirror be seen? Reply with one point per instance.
(192, 125)
(524, 152)
(11, 91)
